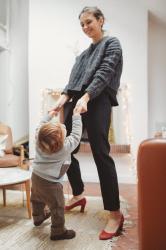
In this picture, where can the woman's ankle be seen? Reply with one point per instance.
(74, 199)
(78, 197)
(115, 214)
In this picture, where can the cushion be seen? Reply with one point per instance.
(3, 141)
(4, 129)
(9, 160)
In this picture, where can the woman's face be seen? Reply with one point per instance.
(91, 26)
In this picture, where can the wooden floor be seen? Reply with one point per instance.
(128, 240)
(15, 225)
(128, 191)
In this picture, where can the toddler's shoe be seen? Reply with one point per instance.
(68, 234)
(45, 217)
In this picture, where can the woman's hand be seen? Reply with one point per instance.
(60, 102)
(81, 105)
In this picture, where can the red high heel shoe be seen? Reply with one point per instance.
(81, 203)
(107, 236)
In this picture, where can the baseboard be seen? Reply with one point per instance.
(115, 148)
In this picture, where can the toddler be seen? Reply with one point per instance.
(52, 159)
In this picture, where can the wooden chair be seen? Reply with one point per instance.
(12, 170)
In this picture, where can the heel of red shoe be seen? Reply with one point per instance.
(82, 208)
(81, 203)
(120, 227)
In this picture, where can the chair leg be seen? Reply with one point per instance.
(4, 197)
(27, 189)
(23, 189)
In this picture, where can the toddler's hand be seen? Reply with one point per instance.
(77, 110)
(52, 112)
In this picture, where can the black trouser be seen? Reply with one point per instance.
(97, 123)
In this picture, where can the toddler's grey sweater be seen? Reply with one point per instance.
(52, 167)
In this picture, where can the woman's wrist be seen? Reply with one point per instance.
(86, 97)
(63, 99)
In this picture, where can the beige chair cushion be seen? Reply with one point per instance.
(3, 141)
(4, 129)
(9, 160)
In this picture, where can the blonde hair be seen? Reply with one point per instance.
(50, 138)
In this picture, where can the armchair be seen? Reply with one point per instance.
(9, 159)
(151, 166)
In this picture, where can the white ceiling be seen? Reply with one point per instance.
(157, 8)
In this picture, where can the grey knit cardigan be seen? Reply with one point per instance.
(98, 69)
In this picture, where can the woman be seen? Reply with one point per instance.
(92, 87)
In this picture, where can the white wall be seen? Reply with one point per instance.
(54, 35)
(3, 62)
(14, 69)
(18, 69)
(3, 11)
(157, 75)
(3, 85)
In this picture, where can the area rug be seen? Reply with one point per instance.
(17, 232)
